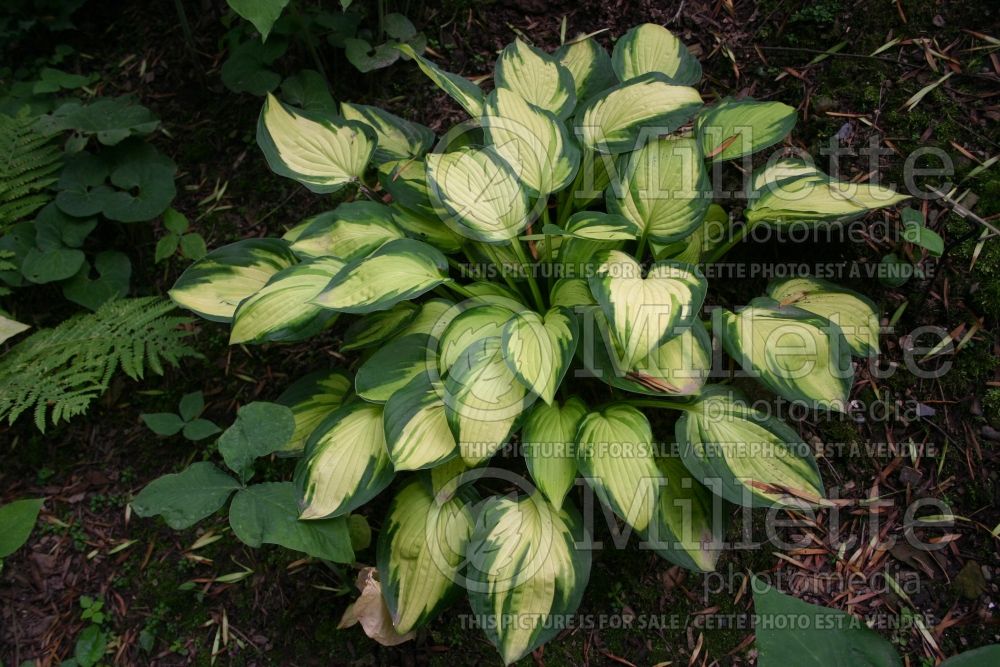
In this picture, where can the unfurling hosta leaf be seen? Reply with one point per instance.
(688, 526)
(799, 355)
(350, 231)
(420, 549)
(417, 432)
(392, 367)
(526, 578)
(481, 193)
(652, 48)
(398, 138)
(548, 442)
(539, 349)
(747, 456)
(537, 77)
(397, 271)
(615, 455)
(533, 141)
(644, 312)
(346, 463)
(312, 399)
(215, 285)
(666, 191)
(463, 91)
(791, 191)
(321, 151)
(734, 128)
(186, 497)
(283, 311)
(856, 315)
(483, 400)
(624, 117)
(571, 292)
(589, 65)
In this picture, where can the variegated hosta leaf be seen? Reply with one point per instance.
(711, 233)
(378, 327)
(283, 311)
(417, 432)
(406, 181)
(791, 191)
(666, 191)
(448, 477)
(855, 314)
(420, 548)
(322, 152)
(571, 293)
(213, 286)
(346, 462)
(688, 527)
(587, 233)
(397, 271)
(463, 91)
(486, 320)
(496, 293)
(539, 349)
(644, 312)
(535, 143)
(589, 65)
(794, 353)
(350, 231)
(480, 191)
(312, 399)
(548, 442)
(483, 399)
(625, 117)
(615, 455)
(744, 455)
(432, 318)
(537, 77)
(429, 228)
(525, 575)
(734, 128)
(393, 366)
(398, 138)
(652, 48)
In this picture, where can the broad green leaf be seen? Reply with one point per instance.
(615, 455)
(193, 246)
(350, 231)
(533, 141)
(260, 429)
(734, 128)
(283, 310)
(548, 442)
(460, 89)
(480, 191)
(398, 138)
(110, 119)
(262, 13)
(429, 228)
(688, 526)
(570, 293)
(308, 89)
(113, 270)
(268, 514)
(536, 77)
(250, 67)
(393, 366)
(346, 463)
(624, 117)
(539, 349)
(524, 572)
(644, 311)
(16, 522)
(312, 399)
(483, 399)
(791, 191)
(376, 328)
(420, 549)
(47, 266)
(321, 151)
(799, 355)
(186, 497)
(915, 231)
(855, 314)
(215, 285)
(368, 58)
(398, 271)
(792, 632)
(652, 48)
(199, 429)
(744, 455)
(163, 423)
(589, 65)
(417, 432)
(984, 655)
(90, 646)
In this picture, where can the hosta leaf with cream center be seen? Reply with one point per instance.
(539, 349)
(652, 48)
(350, 231)
(463, 91)
(311, 399)
(855, 314)
(549, 446)
(398, 138)
(688, 528)
(537, 77)
(589, 65)
(734, 128)
(417, 432)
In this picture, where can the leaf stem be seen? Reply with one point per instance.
(719, 252)
(529, 274)
(452, 285)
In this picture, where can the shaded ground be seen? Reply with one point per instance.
(166, 607)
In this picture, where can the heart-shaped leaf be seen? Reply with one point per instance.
(539, 349)
(652, 48)
(536, 77)
(548, 441)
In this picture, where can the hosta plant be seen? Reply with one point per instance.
(536, 276)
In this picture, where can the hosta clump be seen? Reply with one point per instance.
(535, 276)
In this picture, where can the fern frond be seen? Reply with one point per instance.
(28, 162)
(56, 373)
